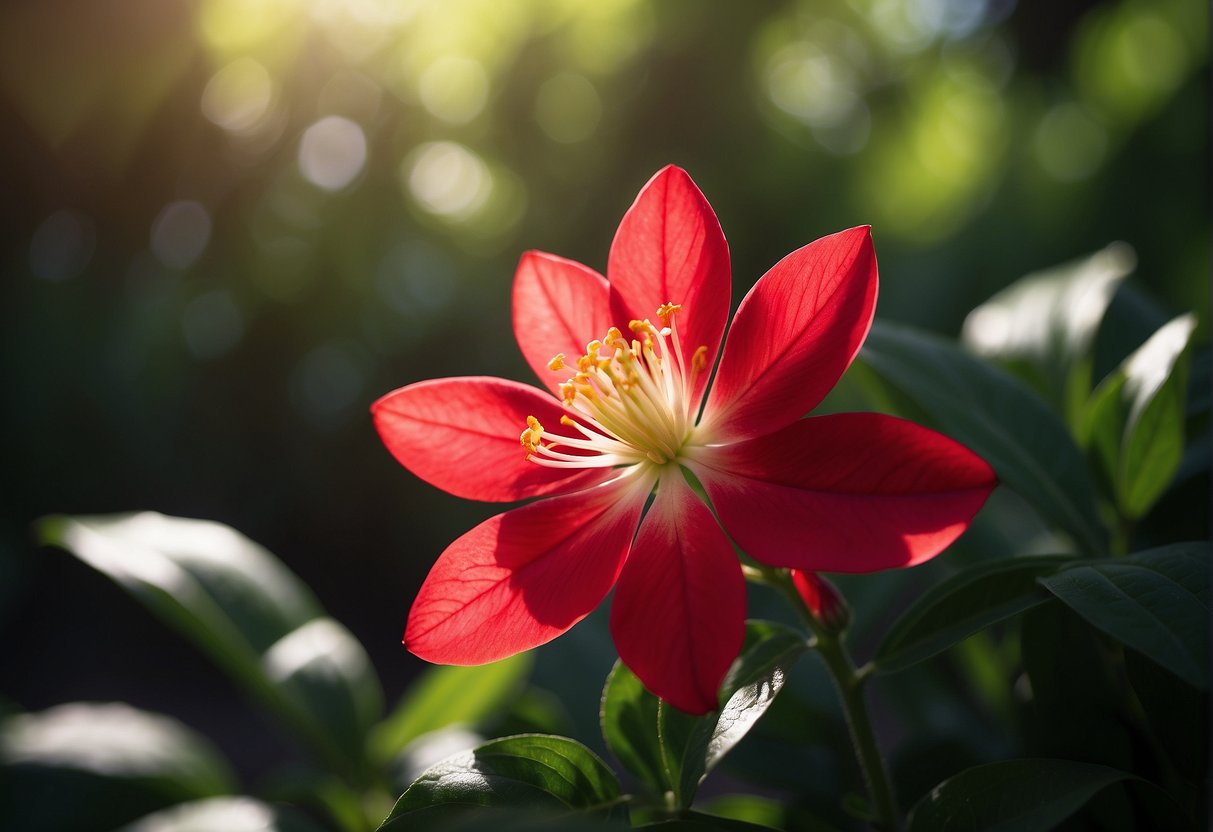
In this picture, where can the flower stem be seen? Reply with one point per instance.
(849, 680)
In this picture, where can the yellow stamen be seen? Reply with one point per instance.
(530, 438)
(666, 311)
(699, 361)
(556, 363)
(567, 422)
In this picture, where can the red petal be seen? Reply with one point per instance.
(524, 577)
(794, 335)
(669, 249)
(678, 617)
(461, 434)
(852, 492)
(559, 307)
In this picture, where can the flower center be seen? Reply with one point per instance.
(634, 399)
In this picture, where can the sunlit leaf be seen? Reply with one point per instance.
(1135, 419)
(533, 771)
(1012, 796)
(239, 604)
(671, 751)
(750, 687)
(1156, 602)
(231, 814)
(85, 766)
(961, 606)
(998, 418)
(1044, 324)
(444, 696)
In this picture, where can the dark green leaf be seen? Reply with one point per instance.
(750, 687)
(1177, 713)
(1012, 796)
(84, 766)
(238, 603)
(1156, 602)
(230, 814)
(999, 418)
(531, 771)
(961, 606)
(702, 822)
(445, 696)
(671, 751)
(629, 725)
(1135, 419)
(1045, 324)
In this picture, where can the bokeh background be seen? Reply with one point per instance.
(229, 225)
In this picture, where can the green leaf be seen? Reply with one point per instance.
(963, 605)
(1135, 419)
(1012, 796)
(750, 687)
(690, 821)
(231, 814)
(1156, 602)
(244, 608)
(1044, 324)
(527, 771)
(445, 696)
(996, 416)
(85, 766)
(671, 751)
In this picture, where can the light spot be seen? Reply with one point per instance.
(568, 108)
(454, 88)
(180, 234)
(1070, 145)
(238, 96)
(447, 179)
(212, 324)
(332, 153)
(62, 246)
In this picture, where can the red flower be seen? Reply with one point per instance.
(843, 493)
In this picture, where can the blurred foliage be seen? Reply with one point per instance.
(228, 226)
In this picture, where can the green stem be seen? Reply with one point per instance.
(849, 680)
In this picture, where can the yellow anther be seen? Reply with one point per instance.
(567, 422)
(667, 310)
(568, 392)
(556, 363)
(593, 347)
(613, 336)
(640, 326)
(530, 438)
(699, 361)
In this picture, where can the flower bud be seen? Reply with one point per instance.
(823, 599)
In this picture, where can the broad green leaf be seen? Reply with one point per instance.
(1177, 713)
(963, 605)
(230, 814)
(445, 696)
(1044, 324)
(1135, 419)
(997, 417)
(750, 687)
(243, 607)
(671, 751)
(1155, 602)
(527, 771)
(86, 766)
(1012, 796)
(630, 716)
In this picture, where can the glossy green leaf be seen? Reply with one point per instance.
(750, 687)
(528, 771)
(1156, 602)
(230, 814)
(1012, 796)
(1044, 324)
(243, 607)
(445, 696)
(999, 418)
(702, 822)
(87, 766)
(630, 718)
(963, 605)
(671, 751)
(1135, 419)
